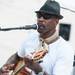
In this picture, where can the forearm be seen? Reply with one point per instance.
(11, 63)
(13, 59)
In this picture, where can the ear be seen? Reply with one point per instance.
(56, 21)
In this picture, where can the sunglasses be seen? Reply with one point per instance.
(44, 15)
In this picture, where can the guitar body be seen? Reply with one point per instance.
(21, 69)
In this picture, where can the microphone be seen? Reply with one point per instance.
(27, 27)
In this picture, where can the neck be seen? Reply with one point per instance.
(52, 38)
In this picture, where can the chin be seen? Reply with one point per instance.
(42, 31)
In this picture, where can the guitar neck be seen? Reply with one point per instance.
(19, 66)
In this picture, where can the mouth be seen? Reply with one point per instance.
(41, 27)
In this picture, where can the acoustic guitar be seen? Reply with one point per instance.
(20, 67)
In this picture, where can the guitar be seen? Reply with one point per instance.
(20, 68)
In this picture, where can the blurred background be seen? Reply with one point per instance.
(16, 13)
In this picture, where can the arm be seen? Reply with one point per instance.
(11, 63)
(13, 59)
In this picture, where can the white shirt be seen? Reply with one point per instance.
(58, 60)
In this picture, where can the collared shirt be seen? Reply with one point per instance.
(58, 60)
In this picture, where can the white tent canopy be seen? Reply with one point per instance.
(15, 13)
(69, 4)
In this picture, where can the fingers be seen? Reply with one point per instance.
(7, 68)
(5, 74)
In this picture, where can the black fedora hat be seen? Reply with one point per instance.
(51, 7)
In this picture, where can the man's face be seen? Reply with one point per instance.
(46, 22)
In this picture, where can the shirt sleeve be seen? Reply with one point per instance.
(21, 50)
(30, 43)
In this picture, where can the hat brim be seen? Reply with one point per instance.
(41, 11)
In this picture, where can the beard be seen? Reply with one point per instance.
(42, 29)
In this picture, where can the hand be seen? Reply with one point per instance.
(6, 68)
(32, 64)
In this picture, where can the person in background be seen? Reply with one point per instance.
(44, 52)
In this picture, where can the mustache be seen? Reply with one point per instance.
(41, 26)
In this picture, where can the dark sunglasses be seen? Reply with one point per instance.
(44, 15)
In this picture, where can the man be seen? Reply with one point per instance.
(44, 52)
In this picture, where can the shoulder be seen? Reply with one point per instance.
(64, 44)
(32, 38)
(65, 48)
(62, 47)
